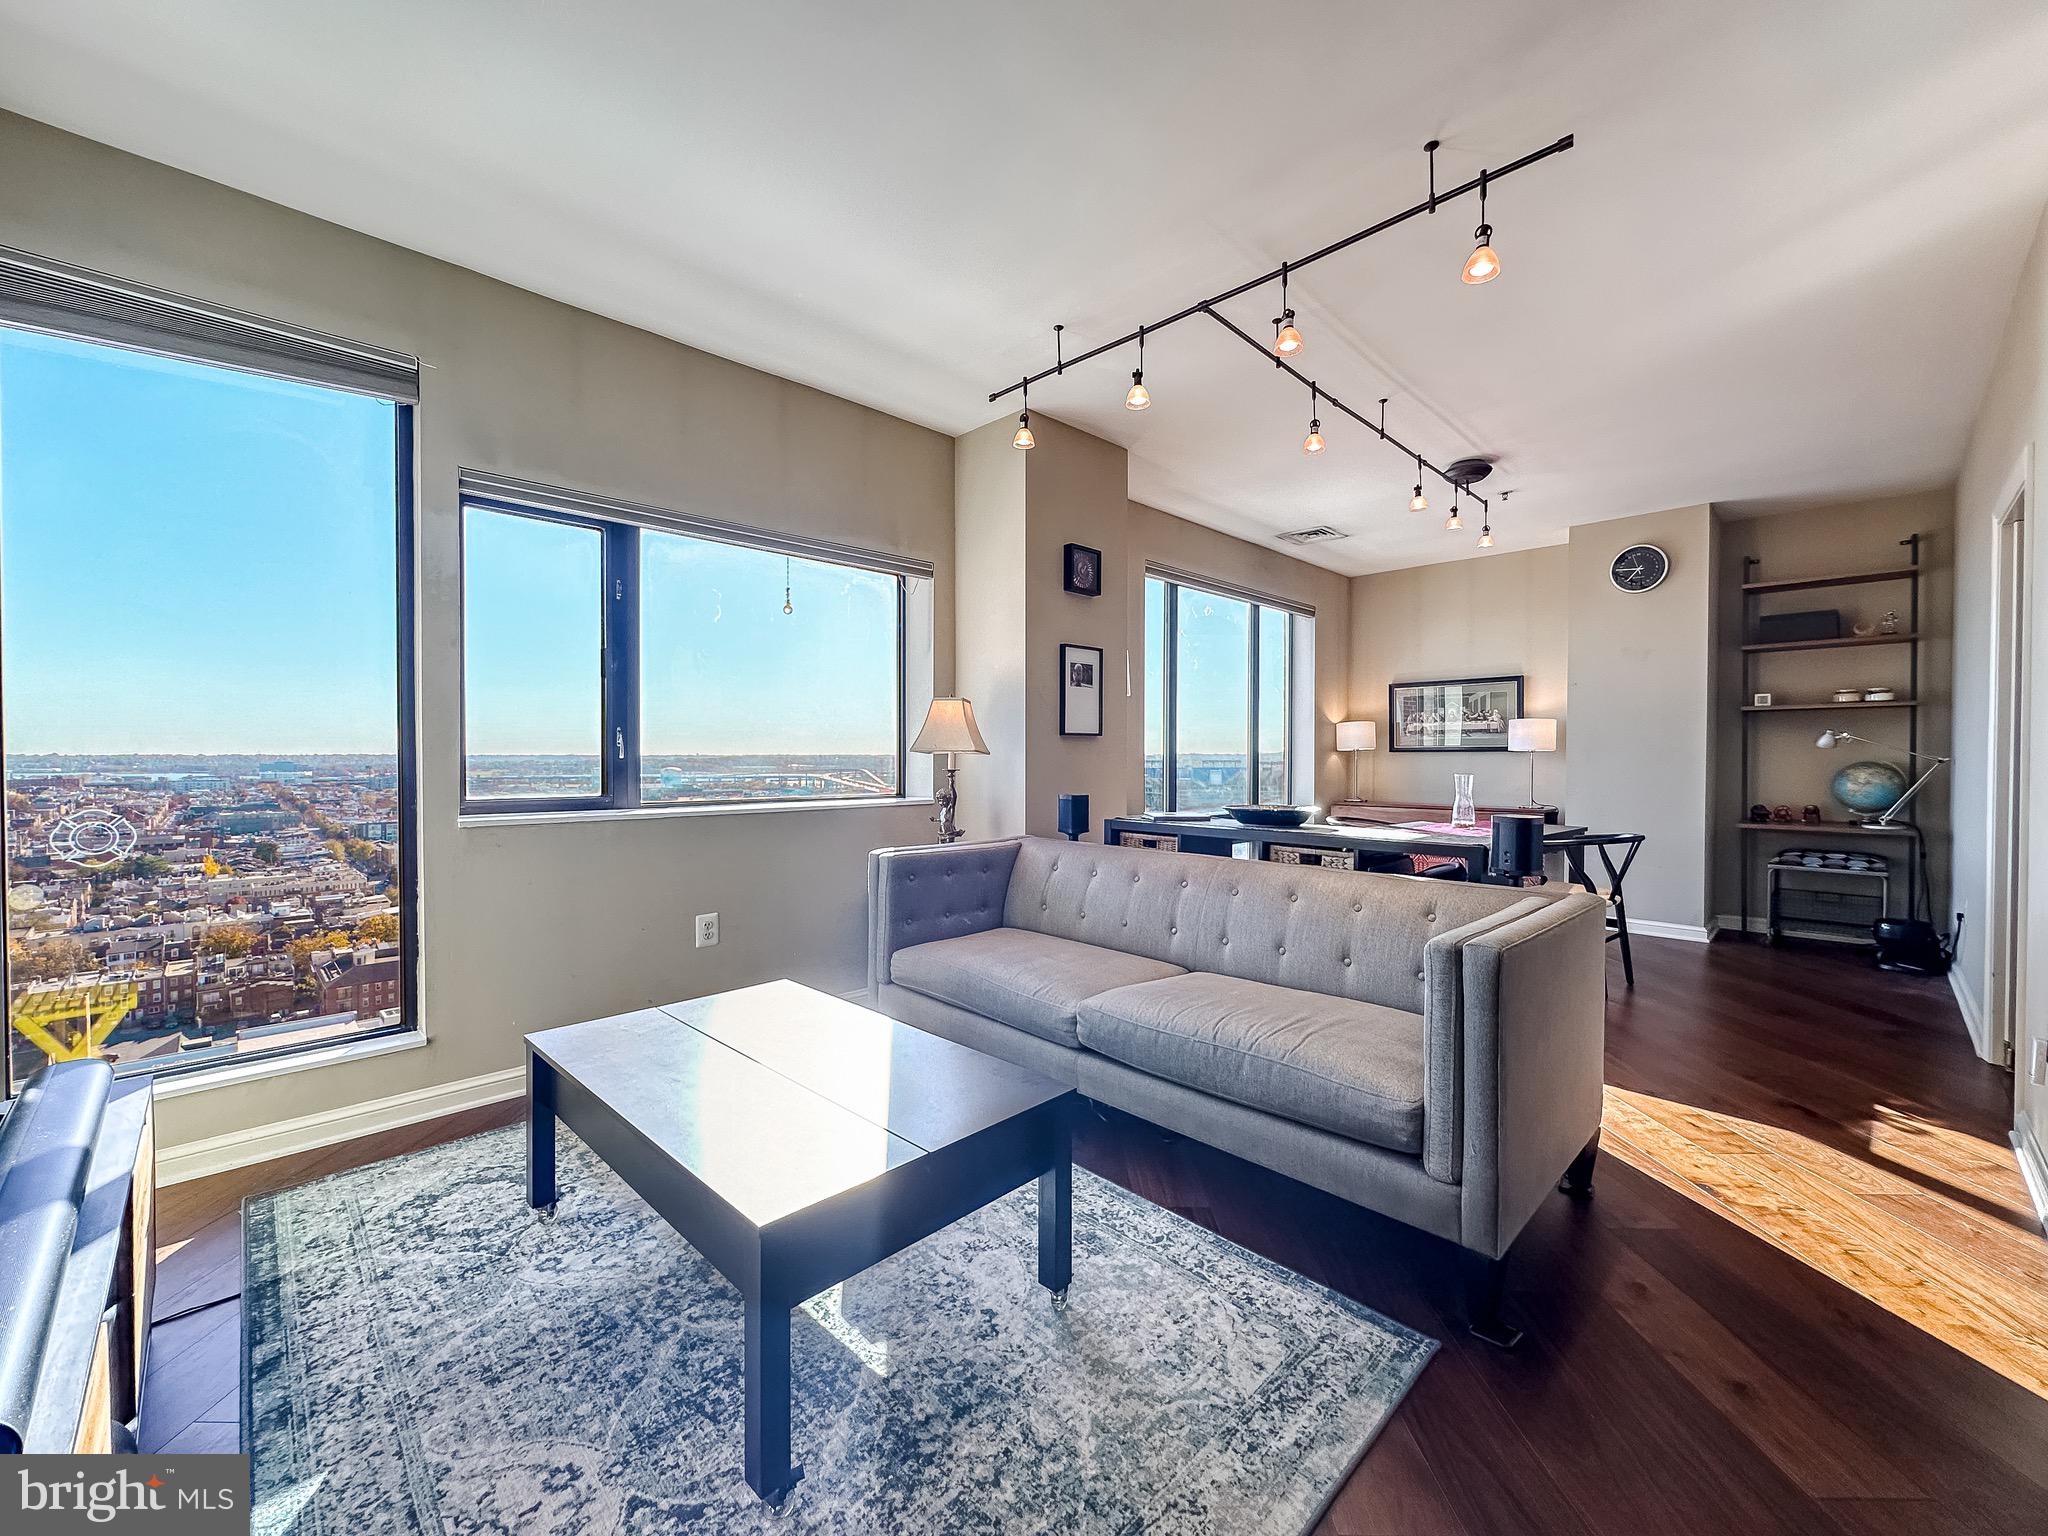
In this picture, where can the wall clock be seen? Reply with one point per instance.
(1084, 570)
(1639, 568)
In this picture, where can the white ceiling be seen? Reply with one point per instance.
(1774, 268)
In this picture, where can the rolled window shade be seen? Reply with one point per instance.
(39, 294)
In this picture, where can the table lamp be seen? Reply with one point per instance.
(1532, 736)
(948, 729)
(1883, 821)
(1355, 736)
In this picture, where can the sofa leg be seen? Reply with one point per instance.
(1484, 1280)
(1578, 1179)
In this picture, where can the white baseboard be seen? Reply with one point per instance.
(281, 1138)
(1692, 933)
(1973, 1017)
(2033, 1168)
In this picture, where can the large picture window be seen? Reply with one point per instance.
(610, 663)
(203, 625)
(1220, 698)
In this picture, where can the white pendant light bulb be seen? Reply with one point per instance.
(1024, 437)
(1418, 502)
(1287, 340)
(1138, 397)
(1313, 443)
(1454, 522)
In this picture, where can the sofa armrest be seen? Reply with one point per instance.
(1443, 1055)
(916, 895)
(1535, 1032)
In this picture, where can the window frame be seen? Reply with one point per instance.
(405, 459)
(1169, 678)
(622, 756)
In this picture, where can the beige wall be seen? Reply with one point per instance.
(1786, 768)
(1160, 537)
(533, 925)
(989, 631)
(1481, 617)
(2004, 452)
(1076, 493)
(1640, 670)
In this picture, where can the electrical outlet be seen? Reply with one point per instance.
(2037, 1060)
(707, 929)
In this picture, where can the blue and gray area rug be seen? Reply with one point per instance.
(424, 1355)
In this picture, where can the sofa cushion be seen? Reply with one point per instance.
(1349, 1067)
(1031, 981)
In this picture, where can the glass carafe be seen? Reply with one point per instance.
(1462, 813)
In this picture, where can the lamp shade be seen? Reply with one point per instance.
(1356, 735)
(949, 727)
(1532, 735)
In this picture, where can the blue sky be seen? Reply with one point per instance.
(1213, 688)
(197, 560)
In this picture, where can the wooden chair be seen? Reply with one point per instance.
(1608, 845)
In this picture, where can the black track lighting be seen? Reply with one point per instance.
(1138, 397)
(1287, 340)
(1024, 438)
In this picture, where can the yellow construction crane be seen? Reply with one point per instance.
(72, 1023)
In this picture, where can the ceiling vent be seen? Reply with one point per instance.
(1322, 533)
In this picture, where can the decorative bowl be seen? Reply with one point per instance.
(1271, 815)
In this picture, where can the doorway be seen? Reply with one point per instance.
(2012, 597)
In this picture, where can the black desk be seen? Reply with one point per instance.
(794, 1140)
(1222, 835)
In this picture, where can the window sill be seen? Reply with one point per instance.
(665, 812)
(177, 1085)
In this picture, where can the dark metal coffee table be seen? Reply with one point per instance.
(795, 1139)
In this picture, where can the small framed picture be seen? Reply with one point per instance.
(1080, 690)
(1084, 570)
(1760, 700)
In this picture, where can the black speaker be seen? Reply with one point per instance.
(1517, 847)
(1073, 816)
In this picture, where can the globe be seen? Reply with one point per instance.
(1868, 788)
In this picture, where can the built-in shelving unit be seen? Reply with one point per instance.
(1753, 588)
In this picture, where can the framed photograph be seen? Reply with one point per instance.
(1760, 700)
(1084, 570)
(1080, 690)
(1463, 714)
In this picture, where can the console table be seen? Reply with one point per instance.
(1222, 836)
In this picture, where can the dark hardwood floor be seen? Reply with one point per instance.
(1809, 1296)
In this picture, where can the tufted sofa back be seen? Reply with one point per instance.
(1317, 930)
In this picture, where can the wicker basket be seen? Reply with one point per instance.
(1164, 842)
(1293, 853)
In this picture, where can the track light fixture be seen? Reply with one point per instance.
(1287, 340)
(1138, 397)
(1454, 522)
(1313, 443)
(1482, 266)
(1486, 535)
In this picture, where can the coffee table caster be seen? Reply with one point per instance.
(1059, 1299)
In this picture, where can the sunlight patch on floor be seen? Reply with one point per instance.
(1929, 1225)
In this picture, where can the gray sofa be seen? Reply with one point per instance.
(1428, 1050)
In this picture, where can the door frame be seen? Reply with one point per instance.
(2007, 769)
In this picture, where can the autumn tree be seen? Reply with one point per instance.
(231, 939)
(378, 928)
(51, 960)
(265, 851)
